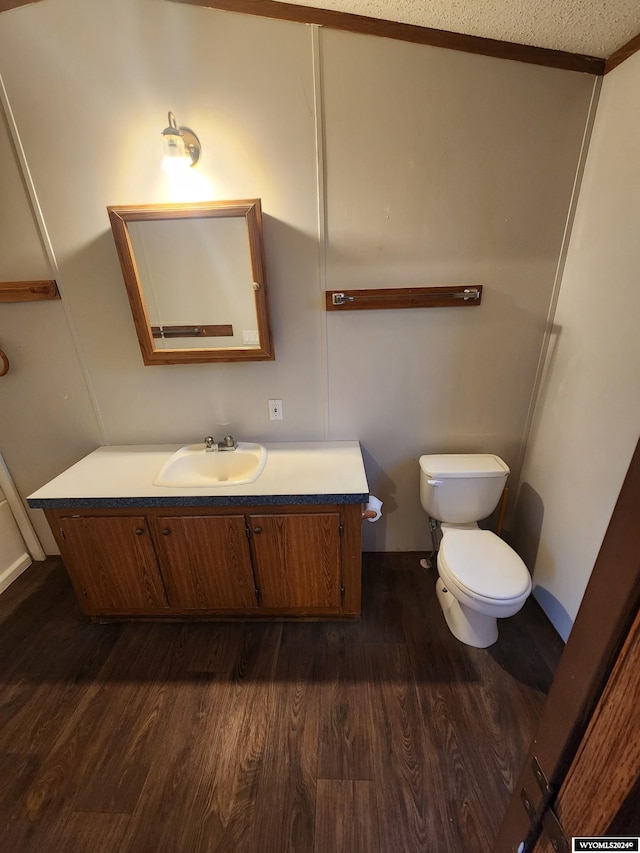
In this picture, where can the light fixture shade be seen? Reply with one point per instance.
(175, 156)
(181, 147)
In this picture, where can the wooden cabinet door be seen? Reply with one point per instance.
(601, 788)
(112, 564)
(297, 561)
(205, 561)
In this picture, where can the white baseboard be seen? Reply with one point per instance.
(14, 571)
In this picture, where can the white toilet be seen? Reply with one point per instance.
(481, 578)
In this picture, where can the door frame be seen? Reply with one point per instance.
(600, 795)
(606, 614)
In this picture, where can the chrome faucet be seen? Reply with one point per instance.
(227, 443)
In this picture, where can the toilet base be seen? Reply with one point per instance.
(468, 626)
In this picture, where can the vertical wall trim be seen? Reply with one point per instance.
(48, 248)
(545, 350)
(318, 103)
(19, 513)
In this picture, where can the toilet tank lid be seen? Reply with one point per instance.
(458, 465)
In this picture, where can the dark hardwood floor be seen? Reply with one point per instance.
(383, 735)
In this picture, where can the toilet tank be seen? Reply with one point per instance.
(461, 487)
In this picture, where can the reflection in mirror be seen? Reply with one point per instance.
(195, 277)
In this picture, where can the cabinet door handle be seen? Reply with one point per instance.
(166, 531)
(257, 530)
(139, 531)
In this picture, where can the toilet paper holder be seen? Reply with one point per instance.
(373, 510)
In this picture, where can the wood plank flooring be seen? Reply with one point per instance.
(383, 736)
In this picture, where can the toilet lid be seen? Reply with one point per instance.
(481, 563)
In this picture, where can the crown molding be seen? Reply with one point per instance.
(6, 5)
(624, 52)
(407, 32)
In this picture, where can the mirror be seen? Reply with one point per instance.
(195, 277)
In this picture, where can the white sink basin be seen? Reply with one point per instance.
(194, 466)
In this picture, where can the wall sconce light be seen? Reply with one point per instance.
(181, 146)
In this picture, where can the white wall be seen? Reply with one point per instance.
(439, 168)
(47, 420)
(442, 168)
(588, 415)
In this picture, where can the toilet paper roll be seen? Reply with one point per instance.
(374, 505)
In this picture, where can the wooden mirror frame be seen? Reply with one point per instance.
(251, 211)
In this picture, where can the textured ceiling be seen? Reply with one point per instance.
(591, 27)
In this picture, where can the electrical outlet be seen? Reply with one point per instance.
(275, 410)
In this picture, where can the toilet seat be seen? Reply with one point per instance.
(483, 566)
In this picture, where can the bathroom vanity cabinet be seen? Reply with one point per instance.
(263, 561)
(287, 546)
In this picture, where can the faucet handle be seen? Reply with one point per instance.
(229, 441)
(209, 441)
